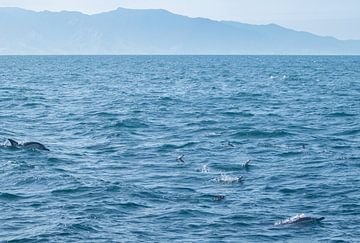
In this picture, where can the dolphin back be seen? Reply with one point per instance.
(35, 145)
(300, 218)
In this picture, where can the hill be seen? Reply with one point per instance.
(127, 31)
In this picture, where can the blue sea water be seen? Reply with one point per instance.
(116, 124)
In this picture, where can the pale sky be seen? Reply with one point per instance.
(338, 18)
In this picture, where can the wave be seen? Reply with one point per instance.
(130, 123)
(169, 147)
(261, 134)
(348, 132)
(72, 190)
(341, 114)
(237, 114)
(291, 154)
(292, 190)
(10, 196)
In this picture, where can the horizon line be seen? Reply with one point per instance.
(188, 55)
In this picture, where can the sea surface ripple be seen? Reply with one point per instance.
(116, 124)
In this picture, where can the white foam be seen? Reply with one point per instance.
(228, 179)
(204, 169)
(291, 219)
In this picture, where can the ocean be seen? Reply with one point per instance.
(117, 126)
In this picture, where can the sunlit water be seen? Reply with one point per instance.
(115, 127)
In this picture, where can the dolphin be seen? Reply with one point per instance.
(230, 144)
(300, 218)
(29, 145)
(180, 158)
(219, 197)
(246, 163)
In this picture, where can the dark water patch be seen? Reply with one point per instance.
(130, 123)
(130, 206)
(34, 105)
(54, 160)
(347, 157)
(350, 209)
(101, 148)
(202, 123)
(206, 131)
(171, 147)
(73, 191)
(79, 227)
(224, 166)
(237, 114)
(291, 154)
(154, 196)
(114, 188)
(213, 197)
(244, 95)
(184, 213)
(104, 114)
(183, 189)
(348, 132)
(240, 219)
(10, 197)
(169, 100)
(166, 98)
(341, 114)
(261, 134)
(266, 145)
(341, 147)
(273, 115)
(289, 191)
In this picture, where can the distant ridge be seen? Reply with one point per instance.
(128, 31)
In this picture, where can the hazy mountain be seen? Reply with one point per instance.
(125, 31)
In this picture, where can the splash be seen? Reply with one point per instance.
(228, 179)
(204, 169)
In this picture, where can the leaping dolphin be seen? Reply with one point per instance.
(29, 145)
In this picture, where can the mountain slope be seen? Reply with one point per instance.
(125, 31)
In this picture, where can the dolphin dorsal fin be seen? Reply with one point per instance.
(13, 142)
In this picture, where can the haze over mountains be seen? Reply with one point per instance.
(126, 31)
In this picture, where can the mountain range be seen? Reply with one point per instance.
(153, 31)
